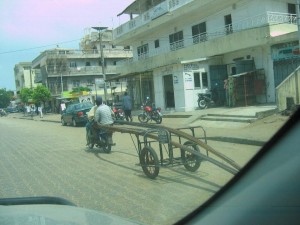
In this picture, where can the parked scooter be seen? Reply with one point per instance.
(103, 140)
(150, 113)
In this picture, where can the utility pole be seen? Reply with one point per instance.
(61, 84)
(99, 29)
(298, 18)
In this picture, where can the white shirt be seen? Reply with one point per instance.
(104, 114)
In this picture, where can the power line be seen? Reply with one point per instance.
(38, 47)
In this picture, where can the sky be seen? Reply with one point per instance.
(28, 27)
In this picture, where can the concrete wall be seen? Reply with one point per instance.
(289, 88)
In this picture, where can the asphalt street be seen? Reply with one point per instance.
(40, 158)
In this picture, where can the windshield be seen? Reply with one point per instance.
(172, 99)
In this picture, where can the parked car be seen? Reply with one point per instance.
(76, 114)
(12, 109)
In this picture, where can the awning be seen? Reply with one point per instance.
(244, 73)
(137, 7)
(123, 76)
(194, 60)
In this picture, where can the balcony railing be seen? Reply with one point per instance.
(85, 70)
(146, 17)
(176, 45)
(269, 18)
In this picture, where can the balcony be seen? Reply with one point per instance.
(80, 54)
(82, 71)
(148, 16)
(254, 31)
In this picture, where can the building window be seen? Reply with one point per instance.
(156, 43)
(292, 8)
(90, 82)
(87, 64)
(176, 41)
(76, 83)
(199, 33)
(228, 24)
(143, 51)
(73, 64)
(200, 80)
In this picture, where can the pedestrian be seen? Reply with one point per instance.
(40, 110)
(127, 106)
(226, 88)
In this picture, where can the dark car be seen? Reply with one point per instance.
(12, 109)
(76, 114)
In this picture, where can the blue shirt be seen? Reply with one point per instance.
(127, 104)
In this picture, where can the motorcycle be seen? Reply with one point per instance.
(119, 113)
(207, 99)
(103, 140)
(3, 112)
(150, 113)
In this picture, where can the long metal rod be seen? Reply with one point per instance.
(138, 131)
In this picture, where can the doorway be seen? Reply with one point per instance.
(169, 91)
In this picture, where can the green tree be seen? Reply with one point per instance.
(5, 98)
(79, 89)
(41, 94)
(26, 94)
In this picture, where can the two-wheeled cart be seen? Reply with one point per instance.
(156, 147)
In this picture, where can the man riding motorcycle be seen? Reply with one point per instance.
(104, 116)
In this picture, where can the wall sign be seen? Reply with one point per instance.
(188, 81)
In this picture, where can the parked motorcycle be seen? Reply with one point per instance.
(208, 98)
(150, 113)
(3, 112)
(104, 139)
(119, 113)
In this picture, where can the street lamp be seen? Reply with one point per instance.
(99, 29)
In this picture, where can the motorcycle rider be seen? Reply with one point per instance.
(91, 113)
(104, 115)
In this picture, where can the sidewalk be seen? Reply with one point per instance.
(221, 124)
(257, 112)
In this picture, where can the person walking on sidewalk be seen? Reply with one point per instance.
(127, 106)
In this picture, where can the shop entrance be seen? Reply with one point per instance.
(169, 91)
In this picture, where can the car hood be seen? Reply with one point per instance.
(56, 215)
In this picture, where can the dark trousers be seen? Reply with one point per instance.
(128, 114)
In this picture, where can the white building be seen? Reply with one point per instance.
(182, 47)
(63, 70)
(24, 76)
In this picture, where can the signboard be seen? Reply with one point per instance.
(86, 98)
(188, 81)
(285, 51)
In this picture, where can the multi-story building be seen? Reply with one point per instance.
(183, 47)
(63, 70)
(24, 76)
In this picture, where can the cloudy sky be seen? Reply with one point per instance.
(28, 27)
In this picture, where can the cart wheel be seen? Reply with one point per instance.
(89, 140)
(190, 161)
(149, 162)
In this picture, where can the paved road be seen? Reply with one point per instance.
(40, 158)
